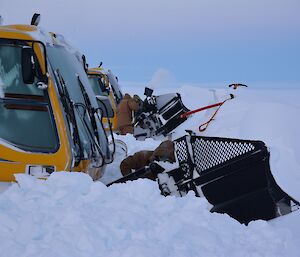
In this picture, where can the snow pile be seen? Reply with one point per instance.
(69, 215)
(266, 115)
(254, 114)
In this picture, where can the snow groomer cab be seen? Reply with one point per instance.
(108, 94)
(49, 117)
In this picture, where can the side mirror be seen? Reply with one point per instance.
(103, 88)
(28, 69)
(85, 65)
(40, 68)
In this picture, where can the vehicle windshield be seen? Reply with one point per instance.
(26, 119)
(114, 84)
(98, 85)
(102, 93)
(105, 106)
(71, 69)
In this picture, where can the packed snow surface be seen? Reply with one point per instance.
(69, 215)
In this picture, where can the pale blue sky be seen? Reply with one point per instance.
(192, 41)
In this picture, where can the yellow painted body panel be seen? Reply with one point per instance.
(113, 121)
(14, 160)
(20, 159)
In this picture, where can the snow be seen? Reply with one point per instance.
(267, 115)
(70, 215)
(253, 114)
(41, 34)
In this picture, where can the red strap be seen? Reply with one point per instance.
(204, 126)
(200, 109)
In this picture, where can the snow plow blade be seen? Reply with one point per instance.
(234, 175)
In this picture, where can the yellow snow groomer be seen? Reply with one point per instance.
(108, 94)
(49, 117)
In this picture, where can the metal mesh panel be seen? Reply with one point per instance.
(234, 175)
(183, 157)
(181, 150)
(211, 152)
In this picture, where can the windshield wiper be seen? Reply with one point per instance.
(91, 112)
(110, 130)
(93, 138)
(69, 109)
(89, 107)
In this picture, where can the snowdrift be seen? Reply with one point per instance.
(69, 215)
(254, 114)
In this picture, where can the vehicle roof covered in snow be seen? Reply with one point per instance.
(30, 32)
(26, 32)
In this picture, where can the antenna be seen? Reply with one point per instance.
(35, 20)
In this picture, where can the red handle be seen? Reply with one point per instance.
(200, 109)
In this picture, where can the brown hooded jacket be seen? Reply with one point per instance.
(124, 114)
(164, 152)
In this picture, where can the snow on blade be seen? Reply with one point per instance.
(69, 215)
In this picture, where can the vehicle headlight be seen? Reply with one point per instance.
(39, 171)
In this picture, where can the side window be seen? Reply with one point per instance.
(11, 74)
(25, 111)
(98, 84)
(104, 85)
(94, 82)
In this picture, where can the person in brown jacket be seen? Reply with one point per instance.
(124, 114)
(136, 161)
(164, 152)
